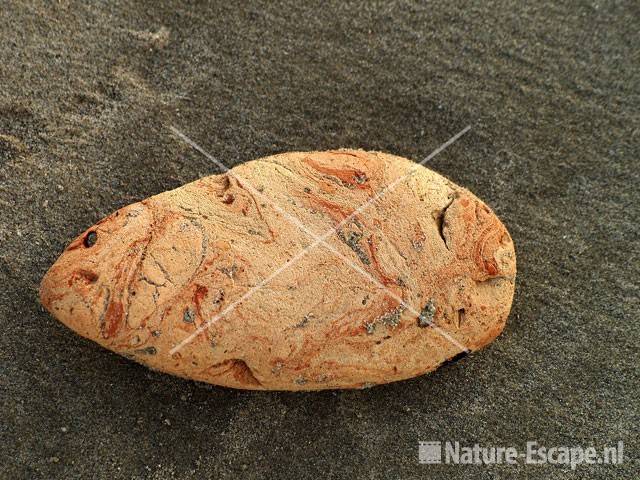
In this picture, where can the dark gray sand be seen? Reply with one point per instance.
(552, 94)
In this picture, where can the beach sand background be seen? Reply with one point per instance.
(551, 91)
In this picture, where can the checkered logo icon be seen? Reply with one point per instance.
(429, 453)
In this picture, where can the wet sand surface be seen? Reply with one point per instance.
(551, 92)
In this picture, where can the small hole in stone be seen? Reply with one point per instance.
(461, 316)
(90, 239)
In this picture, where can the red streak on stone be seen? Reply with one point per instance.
(86, 276)
(386, 281)
(351, 176)
(199, 295)
(113, 319)
(337, 214)
(490, 267)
